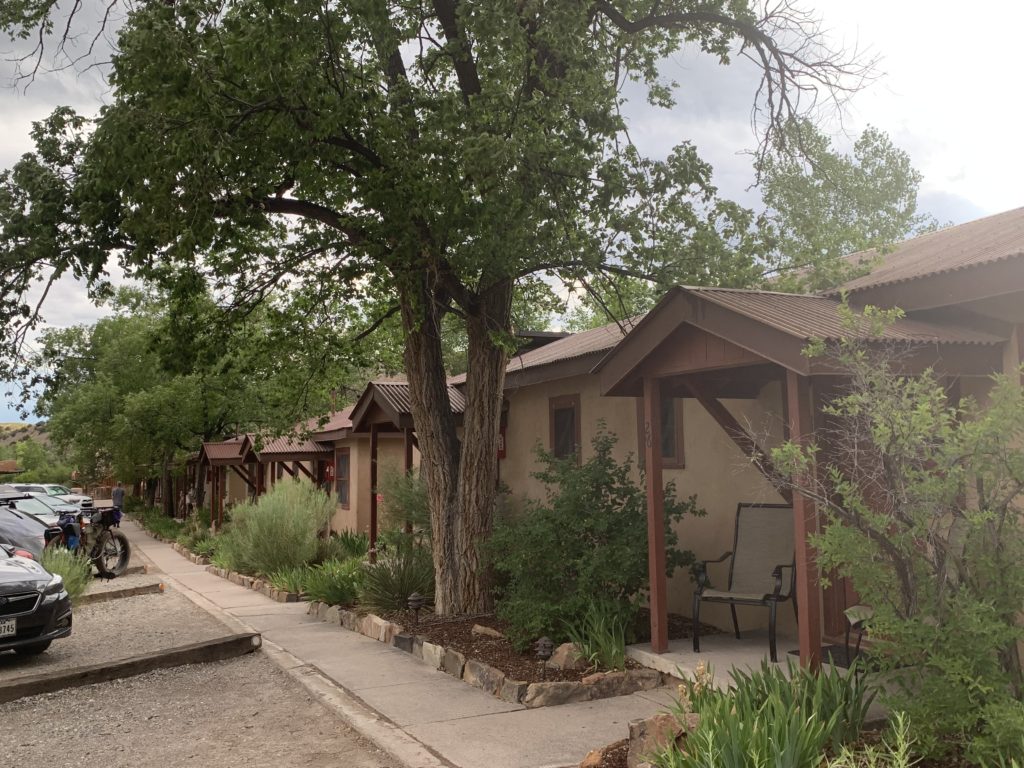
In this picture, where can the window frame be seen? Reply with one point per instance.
(561, 403)
(345, 451)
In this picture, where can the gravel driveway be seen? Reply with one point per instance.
(118, 629)
(242, 713)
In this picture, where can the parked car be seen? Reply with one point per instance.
(59, 491)
(21, 528)
(35, 608)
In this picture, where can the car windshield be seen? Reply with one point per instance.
(54, 503)
(58, 490)
(33, 507)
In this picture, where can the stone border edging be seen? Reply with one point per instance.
(216, 649)
(600, 685)
(116, 594)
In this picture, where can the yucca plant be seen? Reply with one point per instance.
(387, 584)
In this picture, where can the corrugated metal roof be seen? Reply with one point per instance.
(336, 420)
(396, 395)
(982, 241)
(223, 450)
(289, 445)
(818, 317)
(577, 345)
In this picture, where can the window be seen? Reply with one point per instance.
(342, 462)
(564, 418)
(672, 433)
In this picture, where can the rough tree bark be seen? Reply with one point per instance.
(478, 468)
(435, 425)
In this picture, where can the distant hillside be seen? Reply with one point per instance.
(11, 433)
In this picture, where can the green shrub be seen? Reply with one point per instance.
(924, 519)
(155, 521)
(72, 567)
(771, 718)
(895, 751)
(342, 546)
(279, 531)
(290, 579)
(387, 584)
(587, 542)
(404, 501)
(333, 582)
(207, 547)
(601, 636)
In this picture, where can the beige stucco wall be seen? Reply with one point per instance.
(390, 454)
(716, 470)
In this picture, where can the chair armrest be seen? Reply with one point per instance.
(777, 575)
(700, 570)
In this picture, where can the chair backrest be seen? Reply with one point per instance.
(764, 539)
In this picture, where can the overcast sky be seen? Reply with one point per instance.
(948, 95)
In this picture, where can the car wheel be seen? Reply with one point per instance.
(32, 650)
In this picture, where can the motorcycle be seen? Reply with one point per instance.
(97, 536)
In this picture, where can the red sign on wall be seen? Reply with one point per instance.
(501, 442)
(329, 472)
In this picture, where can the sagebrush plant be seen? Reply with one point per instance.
(72, 567)
(769, 718)
(155, 521)
(924, 496)
(586, 542)
(600, 637)
(404, 497)
(335, 582)
(387, 584)
(277, 532)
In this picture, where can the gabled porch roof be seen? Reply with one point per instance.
(285, 449)
(732, 327)
(222, 453)
(390, 403)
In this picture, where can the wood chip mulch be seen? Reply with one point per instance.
(615, 755)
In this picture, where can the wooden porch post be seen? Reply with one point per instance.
(373, 493)
(805, 523)
(407, 434)
(655, 515)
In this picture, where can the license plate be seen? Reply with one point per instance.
(8, 627)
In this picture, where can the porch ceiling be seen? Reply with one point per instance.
(695, 330)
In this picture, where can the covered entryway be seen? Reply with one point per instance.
(715, 344)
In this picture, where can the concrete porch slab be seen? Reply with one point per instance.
(721, 652)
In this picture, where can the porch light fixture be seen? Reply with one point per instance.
(416, 602)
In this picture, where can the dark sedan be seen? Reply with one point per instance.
(20, 528)
(35, 608)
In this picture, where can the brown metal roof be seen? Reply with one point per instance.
(289, 446)
(10, 467)
(225, 451)
(569, 348)
(396, 396)
(336, 421)
(982, 241)
(818, 317)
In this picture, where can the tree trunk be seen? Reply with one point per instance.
(168, 489)
(151, 491)
(435, 427)
(478, 470)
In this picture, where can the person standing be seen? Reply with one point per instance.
(117, 495)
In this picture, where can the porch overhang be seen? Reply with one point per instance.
(224, 453)
(730, 329)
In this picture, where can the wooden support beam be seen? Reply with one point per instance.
(374, 428)
(407, 434)
(656, 558)
(246, 477)
(805, 524)
(261, 479)
(737, 433)
(302, 468)
(286, 468)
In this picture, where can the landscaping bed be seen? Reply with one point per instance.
(537, 689)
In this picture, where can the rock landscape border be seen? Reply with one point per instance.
(600, 685)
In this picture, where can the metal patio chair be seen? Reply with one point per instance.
(762, 568)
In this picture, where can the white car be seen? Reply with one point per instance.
(58, 491)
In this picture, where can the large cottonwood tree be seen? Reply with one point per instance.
(436, 153)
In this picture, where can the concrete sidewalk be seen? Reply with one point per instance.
(461, 725)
